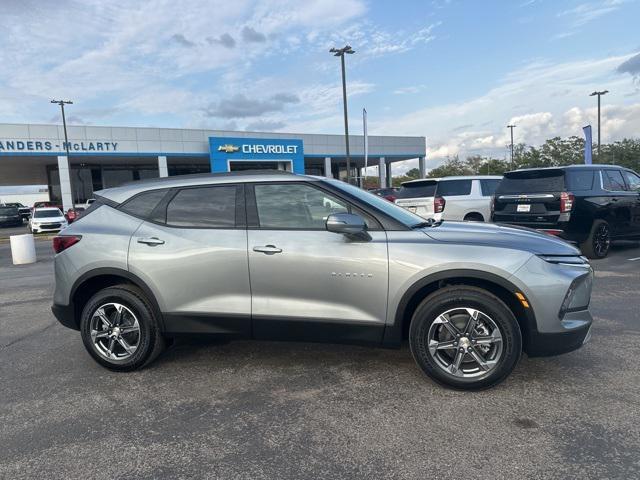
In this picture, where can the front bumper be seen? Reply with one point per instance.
(577, 332)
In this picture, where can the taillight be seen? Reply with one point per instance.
(566, 202)
(391, 198)
(62, 242)
(438, 204)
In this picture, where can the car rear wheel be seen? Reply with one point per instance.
(465, 337)
(598, 242)
(473, 217)
(119, 328)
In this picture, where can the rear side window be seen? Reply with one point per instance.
(206, 207)
(532, 181)
(578, 180)
(418, 189)
(612, 180)
(633, 181)
(489, 186)
(141, 205)
(453, 188)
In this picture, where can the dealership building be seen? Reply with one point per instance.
(104, 157)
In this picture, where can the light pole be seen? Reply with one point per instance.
(599, 94)
(62, 103)
(340, 52)
(511, 127)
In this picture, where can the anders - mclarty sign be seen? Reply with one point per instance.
(49, 146)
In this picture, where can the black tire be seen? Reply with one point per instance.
(150, 341)
(473, 217)
(598, 242)
(461, 296)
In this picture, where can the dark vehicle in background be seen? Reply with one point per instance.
(590, 205)
(9, 217)
(25, 212)
(387, 193)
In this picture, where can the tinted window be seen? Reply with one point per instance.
(579, 180)
(532, 181)
(417, 189)
(295, 206)
(206, 207)
(143, 204)
(488, 187)
(612, 180)
(633, 181)
(47, 213)
(8, 211)
(452, 188)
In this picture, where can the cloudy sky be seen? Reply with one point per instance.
(454, 71)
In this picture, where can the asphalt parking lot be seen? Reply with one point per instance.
(291, 410)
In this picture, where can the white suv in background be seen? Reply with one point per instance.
(450, 198)
(48, 219)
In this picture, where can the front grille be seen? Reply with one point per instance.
(49, 225)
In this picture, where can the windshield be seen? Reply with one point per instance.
(418, 189)
(532, 181)
(400, 214)
(47, 213)
(8, 211)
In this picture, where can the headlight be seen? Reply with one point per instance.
(573, 260)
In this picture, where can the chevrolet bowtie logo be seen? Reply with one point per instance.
(228, 148)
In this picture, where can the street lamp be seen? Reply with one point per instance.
(340, 52)
(599, 94)
(62, 103)
(511, 127)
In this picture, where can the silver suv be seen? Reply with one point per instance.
(283, 256)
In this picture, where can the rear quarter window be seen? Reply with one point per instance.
(141, 205)
(453, 188)
(489, 186)
(579, 180)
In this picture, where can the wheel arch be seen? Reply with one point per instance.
(474, 213)
(502, 288)
(95, 280)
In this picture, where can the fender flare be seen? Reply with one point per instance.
(393, 332)
(118, 272)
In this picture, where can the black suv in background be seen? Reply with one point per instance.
(587, 204)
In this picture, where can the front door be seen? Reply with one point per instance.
(633, 183)
(306, 282)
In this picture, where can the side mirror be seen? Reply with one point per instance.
(349, 224)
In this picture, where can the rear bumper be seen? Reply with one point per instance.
(65, 314)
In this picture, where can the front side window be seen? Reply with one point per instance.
(633, 181)
(295, 206)
(453, 188)
(612, 180)
(203, 207)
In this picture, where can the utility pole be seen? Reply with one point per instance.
(599, 94)
(340, 52)
(62, 103)
(511, 127)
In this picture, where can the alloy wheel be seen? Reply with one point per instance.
(115, 331)
(465, 342)
(601, 240)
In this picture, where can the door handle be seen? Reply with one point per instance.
(151, 241)
(268, 249)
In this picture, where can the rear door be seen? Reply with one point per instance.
(530, 198)
(417, 197)
(459, 198)
(192, 253)
(633, 184)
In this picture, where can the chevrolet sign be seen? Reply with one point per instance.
(277, 149)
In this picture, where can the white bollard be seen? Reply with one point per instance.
(23, 249)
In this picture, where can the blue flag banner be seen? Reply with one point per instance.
(588, 145)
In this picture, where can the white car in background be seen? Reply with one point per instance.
(450, 198)
(47, 219)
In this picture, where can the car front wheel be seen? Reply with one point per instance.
(465, 337)
(119, 328)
